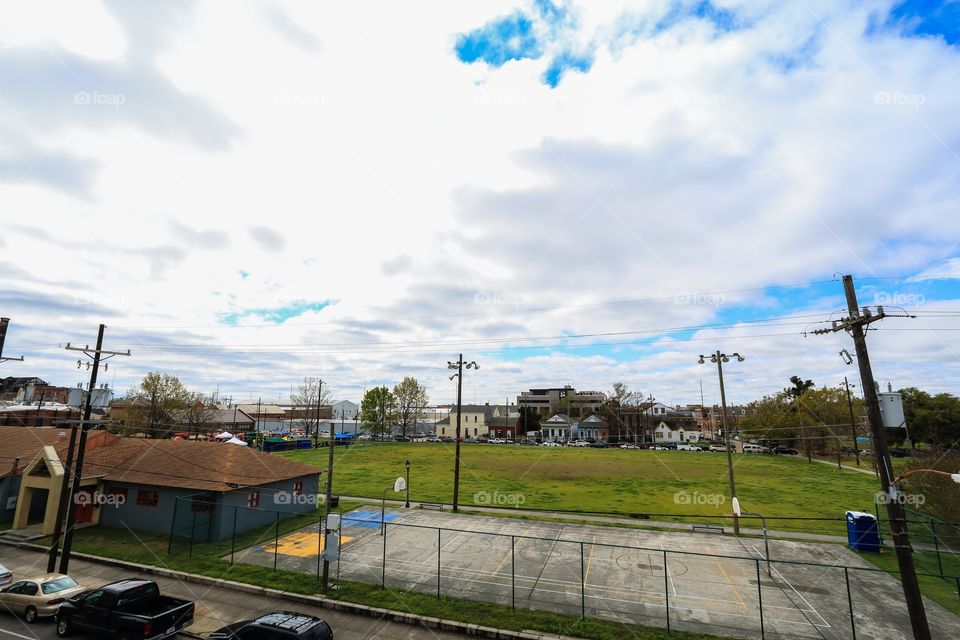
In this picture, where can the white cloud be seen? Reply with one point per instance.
(439, 204)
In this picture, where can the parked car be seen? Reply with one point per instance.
(785, 451)
(627, 445)
(598, 444)
(578, 443)
(470, 441)
(364, 436)
(6, 576)
(755, 448)
(718, 447)
(38, 597)
(276, 626)
(659, 448)
(401, 439)
(550, 443)
(688, 447)
(496, 441)
(131, 609)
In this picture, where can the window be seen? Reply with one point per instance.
(147, 497)
(297, 488)
(443, 431)
(253, 499)
(59, 584)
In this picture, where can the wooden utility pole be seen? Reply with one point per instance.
(81, 448)
(854, 324)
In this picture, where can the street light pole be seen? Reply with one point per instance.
(719, 359)
(408, 484)
(458, 365)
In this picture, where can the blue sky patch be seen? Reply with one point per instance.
(723, 19)
(499, 41)
(274, 315)
(937, 18)
(564, 62)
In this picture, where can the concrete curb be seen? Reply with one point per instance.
(316, 601)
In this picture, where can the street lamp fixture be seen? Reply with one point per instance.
(718, 359)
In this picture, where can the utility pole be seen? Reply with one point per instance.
(326, 563)
(3, 336)
(853, 426)
(316, 428)
(719, 359)
(854, 324)
(82, 445)
(458, 365)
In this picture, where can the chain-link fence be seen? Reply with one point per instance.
(740, 593)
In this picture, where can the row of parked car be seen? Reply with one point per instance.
(134, 609)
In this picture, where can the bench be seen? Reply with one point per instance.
(709, 528)
(432, 505)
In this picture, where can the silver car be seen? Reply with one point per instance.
(37, 597)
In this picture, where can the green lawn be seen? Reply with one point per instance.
(941, 591)
(608, 481)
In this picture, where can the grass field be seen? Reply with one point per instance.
(609, 481)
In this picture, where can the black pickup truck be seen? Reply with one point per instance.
(126, 610)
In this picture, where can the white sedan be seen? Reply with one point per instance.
(550, 444)
(38, 597)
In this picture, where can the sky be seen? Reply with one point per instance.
(249, 193)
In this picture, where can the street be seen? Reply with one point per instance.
(215, 607)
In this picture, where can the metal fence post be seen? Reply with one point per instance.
(276, 541)
(583, 587)
(666, 588)
(760, 600)
(958, 586)
(193, 528)
(513, 573)
(233, 538)
(853, 624)
(383, 575)
(936, 545)
(173, 525)
(439, 548)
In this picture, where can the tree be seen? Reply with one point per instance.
(617, 399)
(931, 419)
(305, 401)
(799, 386)
(378, 410)
(529, 420)
(411, 397)
(197, 412)
(156, 402)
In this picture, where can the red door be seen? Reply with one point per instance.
(84, 509)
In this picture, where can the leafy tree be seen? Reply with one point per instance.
(309, 396)
(411, 397)
(934, 419)
(800, 386)
(156, 402)
(529, 420)
(378, 410)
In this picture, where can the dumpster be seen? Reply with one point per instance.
(863, 534)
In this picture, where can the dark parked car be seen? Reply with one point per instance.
(785, 451)
(127, 610)
(276, 626)
(598, 444)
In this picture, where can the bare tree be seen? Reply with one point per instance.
(411, 397)
(305, 401)
(158, 405)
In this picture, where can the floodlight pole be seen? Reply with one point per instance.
(719, 358)
(458, 365)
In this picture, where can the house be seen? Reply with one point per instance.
(677, 430)
(591, 428)
(559, 428)
(19, 447)
(474, 422)
(152, 485)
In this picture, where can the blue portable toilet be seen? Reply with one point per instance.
(863, 534)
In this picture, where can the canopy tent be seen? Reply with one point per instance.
(226, 435)
(234, 440)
